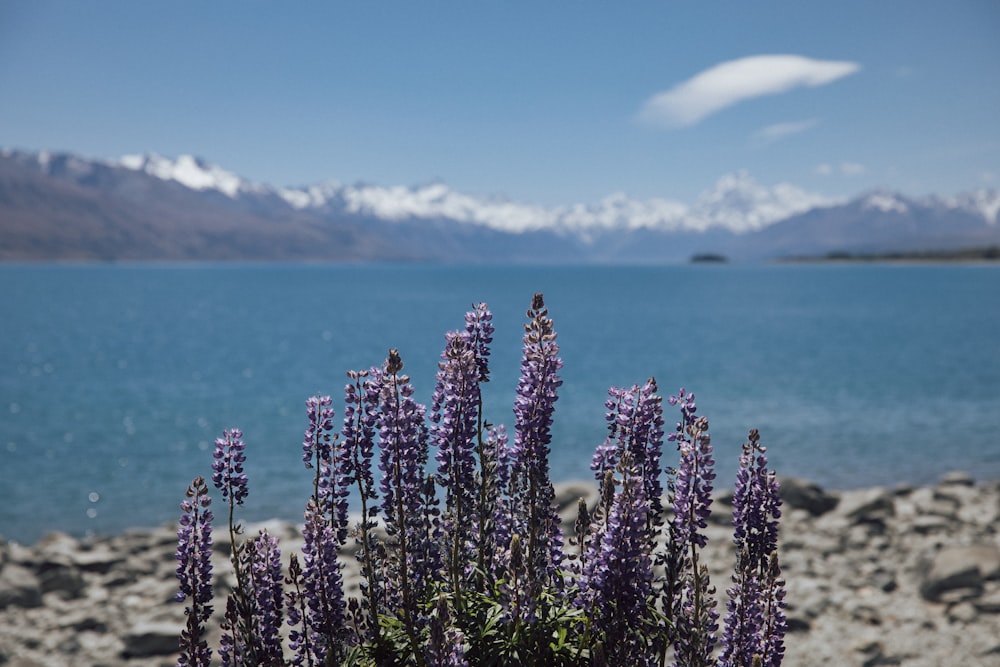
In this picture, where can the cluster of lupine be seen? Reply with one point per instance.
(461, 553)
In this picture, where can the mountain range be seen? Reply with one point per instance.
(63, 207)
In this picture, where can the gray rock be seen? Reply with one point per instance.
(872, 653)
(20, 554)
(57, 544)
(100, 560)
(91, 623)
(926, 524)
(19, 587)
(989, 603)
(958, 478)
(69, 645)
(800, 494)
(868, 506)
(65, 580)
(797, 624)
(150, 639)
(964, 567)
(963, 612)
(985, 556)
(884, 581)
(944, 503)
(54, 565)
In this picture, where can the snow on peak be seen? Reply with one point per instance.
(313, 196)
(438, 201)
(985, 203)
(737, 202)
(187, 170)
(885, 202)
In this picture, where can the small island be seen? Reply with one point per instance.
(709, 258)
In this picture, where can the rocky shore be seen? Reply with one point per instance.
(905, 576)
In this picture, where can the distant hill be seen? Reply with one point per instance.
(879, 223)
(64, 207)
(982, 254)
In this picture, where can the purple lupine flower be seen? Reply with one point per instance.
(361, 398)
(227, 466)
(530, 485)
(696, 621)
(403, 456)
(695, 474)
(618, 578)
(319, 606)
(297, 609)
(454, 416)
(446, 643)
(492, 461)
(229, 644)
(616, 548)
(479, 329)
(635, 424)
(254, 608)
(775, 621)
(316, 443)
(264, 560)
(690, 598)
(755, 621)
(317, 448)
(333, 462)
(648, 446)
(403, 446)
(228, 476)
(606, 455)
(194, 571)
(494, 530)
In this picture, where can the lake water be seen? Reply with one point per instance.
(115, 380)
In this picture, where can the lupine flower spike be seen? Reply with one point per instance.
(693, 610)
(454, 417)
(403, 444)
(755, 622)
(531, 487)
(361, 397)
(229, 477)
(194, 570)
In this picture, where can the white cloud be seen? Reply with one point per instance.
(845, 169)
(772, 133)
(734, 81)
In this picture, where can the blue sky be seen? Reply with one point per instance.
(542, 102)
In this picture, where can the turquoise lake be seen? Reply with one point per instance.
(116, 379)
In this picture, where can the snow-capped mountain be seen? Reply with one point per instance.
(189, 171)
(736, 202)
(978, 202)
(57, 205)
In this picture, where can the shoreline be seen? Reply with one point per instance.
(724, 491)
(904, 576)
